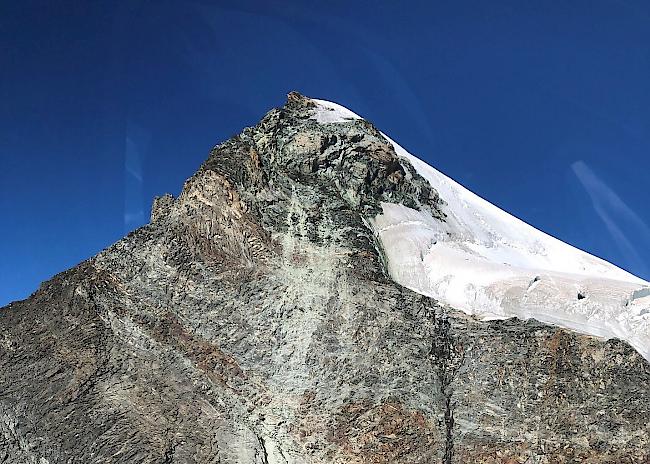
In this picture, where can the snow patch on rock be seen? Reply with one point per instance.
(328, 112)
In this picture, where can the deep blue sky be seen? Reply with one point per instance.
(543, 108)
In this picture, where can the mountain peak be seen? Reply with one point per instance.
(314, 295)
(297, 99)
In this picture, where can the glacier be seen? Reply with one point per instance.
(491, 265)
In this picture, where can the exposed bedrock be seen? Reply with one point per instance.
(253, 321)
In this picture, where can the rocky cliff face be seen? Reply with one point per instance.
(252, 321)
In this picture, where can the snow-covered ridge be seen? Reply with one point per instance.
(328, 112)
(488, 263)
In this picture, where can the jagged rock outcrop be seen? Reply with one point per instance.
(252, 321)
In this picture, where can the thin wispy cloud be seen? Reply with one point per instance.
(619, 219)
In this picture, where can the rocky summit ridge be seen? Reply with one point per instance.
(253, 321)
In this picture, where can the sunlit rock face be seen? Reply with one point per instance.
(257, 319)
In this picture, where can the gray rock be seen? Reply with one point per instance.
(252, 321)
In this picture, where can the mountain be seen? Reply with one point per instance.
(315, 294)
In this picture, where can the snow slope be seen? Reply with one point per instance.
(488, 263)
